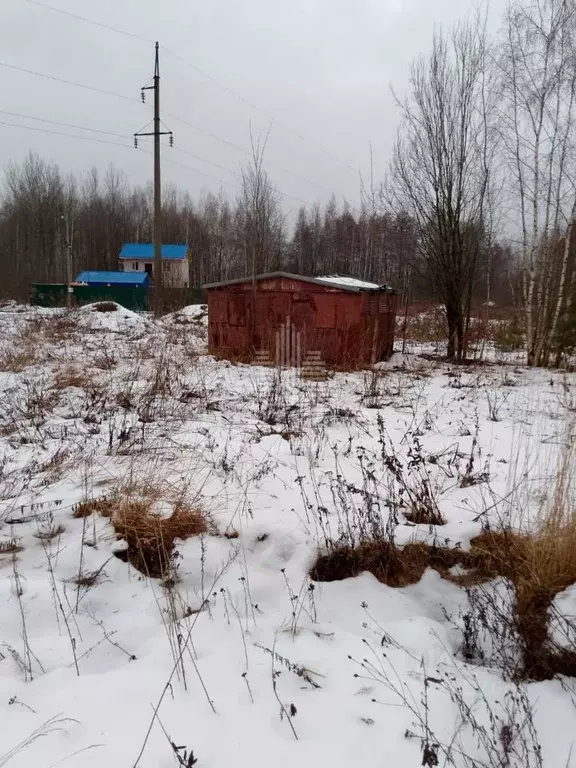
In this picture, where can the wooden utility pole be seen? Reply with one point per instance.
(156, 133)
(68, 245)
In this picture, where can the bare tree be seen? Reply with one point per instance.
(441, 167)
(538, 87)
(259, 214)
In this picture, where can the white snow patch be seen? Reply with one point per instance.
(194, 314)
(348, 282)
(404, 361)
(562, 630)
(118, 320)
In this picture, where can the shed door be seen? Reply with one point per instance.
(272, 309)
(303, 311)
(237, 310)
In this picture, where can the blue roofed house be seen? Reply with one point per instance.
(139, 257)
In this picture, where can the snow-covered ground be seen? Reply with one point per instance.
(241, 658)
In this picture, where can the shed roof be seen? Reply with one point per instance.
(93, 277)
(339, 282)
(146, 251)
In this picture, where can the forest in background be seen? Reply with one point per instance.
(40, 207)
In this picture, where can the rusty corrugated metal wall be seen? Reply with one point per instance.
(348, 329)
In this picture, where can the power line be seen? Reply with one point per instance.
(129, 146)
(194, 170)
(208, 162)
(131, 99)
(232, 91)
(65, 125)
(78, 17)
(207, 133)
(60, 133)
(68, 82)
(229, 89)
(247, 152)
(134, 100)
(223, 181)
(113, 143)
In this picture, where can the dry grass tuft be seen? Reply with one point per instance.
(392, 565)
(9, 547)
(539, 565)
(58, 327)
(106, 361)
(88, 580)
(102, 507)
(16, 361)
(50, 533)
(424, 514)
(71, 376)
(150, 537)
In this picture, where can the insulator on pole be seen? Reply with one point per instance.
(171, 139)
(135, 142)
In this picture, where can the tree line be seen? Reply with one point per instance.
(41, 210)
(477, 206)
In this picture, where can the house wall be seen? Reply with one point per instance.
(348, 329)
(174, 272)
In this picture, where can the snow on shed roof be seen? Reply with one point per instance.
(146, 251)
(338, 282)
(93, 277)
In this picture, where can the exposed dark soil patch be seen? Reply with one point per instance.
(105, 306)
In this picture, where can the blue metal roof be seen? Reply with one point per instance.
(113, 278)
(146, 251)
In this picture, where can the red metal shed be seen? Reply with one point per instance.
(285, 318)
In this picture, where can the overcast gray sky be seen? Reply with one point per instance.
(317, 71)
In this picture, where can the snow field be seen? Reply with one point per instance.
(244, 660)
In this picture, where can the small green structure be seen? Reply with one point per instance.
(130, 289)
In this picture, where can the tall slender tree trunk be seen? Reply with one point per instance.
(562, 285)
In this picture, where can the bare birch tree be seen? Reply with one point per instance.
(538, 85)
(259, 215)
(441, 168)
